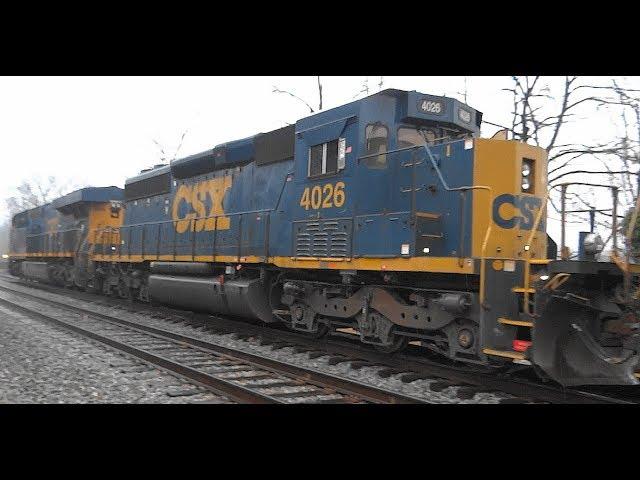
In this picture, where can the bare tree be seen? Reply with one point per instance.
(293, 95)
(364, 90)
(319, 92)
(35, 192)
(465, 91)
(539, 118)
(164, 158)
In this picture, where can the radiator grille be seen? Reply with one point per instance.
(323, 238)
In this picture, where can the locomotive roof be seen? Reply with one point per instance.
(148, 174)
(410, 106)
(88, 194)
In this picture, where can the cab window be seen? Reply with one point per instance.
(323, 159)
(21, 220)
(412, 137)
(416, 136)
(376, 141)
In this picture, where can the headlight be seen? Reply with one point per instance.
(527, 175)
(592, 244)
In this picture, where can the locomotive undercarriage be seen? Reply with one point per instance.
(123, 280)
(60, 272)
(384, 312)
(584, 329)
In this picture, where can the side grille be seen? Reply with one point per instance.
(323, 238)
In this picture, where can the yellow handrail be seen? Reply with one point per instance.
(485, 242)
(527, 247)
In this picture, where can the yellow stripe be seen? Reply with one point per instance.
(41, 255)
(519, 323)
(523, 290)
(415, 264)
(502, 353)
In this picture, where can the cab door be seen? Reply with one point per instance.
(323, 209)
(382, 221)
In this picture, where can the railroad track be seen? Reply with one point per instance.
(408, 367)
(241, 376)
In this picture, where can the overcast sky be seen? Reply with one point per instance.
(99, 130)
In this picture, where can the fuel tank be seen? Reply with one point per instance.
(36, 271)
(242, 297)
(195, 269)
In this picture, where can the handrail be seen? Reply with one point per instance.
(628, 239)
(34, 235)
(527, 248)
(434, 164)
(487, 234)
(197, 218)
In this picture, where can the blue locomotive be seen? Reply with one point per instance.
(387, 218)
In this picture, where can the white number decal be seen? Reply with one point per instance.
(431, 107)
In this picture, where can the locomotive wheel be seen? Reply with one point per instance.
(95, 285)
(398, 344)
(68, 277)
(143, 292)
(322, 331)
(124, 291)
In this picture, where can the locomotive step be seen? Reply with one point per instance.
(503, 353)
(519, 323)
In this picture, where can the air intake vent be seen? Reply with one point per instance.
(323, 238)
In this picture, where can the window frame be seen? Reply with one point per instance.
(439, 140)
(375, 155)
(325, 149)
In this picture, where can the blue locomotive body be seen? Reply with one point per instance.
(323, 189)
(393, 190)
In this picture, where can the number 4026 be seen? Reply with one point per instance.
(326, 196)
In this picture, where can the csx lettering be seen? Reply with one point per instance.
(326, 196)
(203, 199)
(525, 208)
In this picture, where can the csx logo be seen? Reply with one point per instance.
(192, 203)
(523, 215)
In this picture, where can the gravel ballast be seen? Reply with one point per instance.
(40, 363)
(419, 389)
